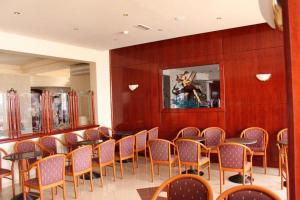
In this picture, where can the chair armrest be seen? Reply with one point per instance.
(44, 149)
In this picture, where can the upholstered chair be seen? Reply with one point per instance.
(284, 175)
(106, 152)
(188, 132)
(233, 158)
(5, 173)
(92, 134)
(81, 163)
(140, 145)
(106, 132)
(153, 133)
(160, 153)
(213, 137)
(71, 140)
(50, 143)
(190, 154)
(50, 174)
(248, 192)
(260, 147)
(126, 151)
(282, 135)
(185, 187)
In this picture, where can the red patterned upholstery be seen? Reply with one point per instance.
(25, 146)
(188, 151)
(187, 189)
(213, 136)
(105, 131)
(82, 158)
(51, 170)
(141, 140)
(249, 195)
(32, 182)
(107, 151)
(159, 150)
(285, 135)
(232, 156)
(49, 143)
(127, 146)
(258, 135)
(92, 134)
(71, 138)
(153, 134)
(190, 132)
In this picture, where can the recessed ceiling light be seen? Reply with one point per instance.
(159, 29)
(125, 32)
(219, 18)
(178, 18)
(125, 14)
(115, 39)
(17, 13)
(75, 29)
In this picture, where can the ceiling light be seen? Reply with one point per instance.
(125, 14)
(17, 13)
(115, 39)
(178, 18)
(143, 27)
(75, 29)
(159, 29)
(219, 18)
(125, 32)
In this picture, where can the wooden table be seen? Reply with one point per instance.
(23, 157)
(120, 134)
(238, 178)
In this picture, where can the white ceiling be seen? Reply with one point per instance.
(100, 22)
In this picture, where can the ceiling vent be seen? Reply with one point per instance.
(143, 27)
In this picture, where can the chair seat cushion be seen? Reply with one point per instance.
(4, 171)
(32, 182)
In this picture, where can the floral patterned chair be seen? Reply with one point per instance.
(140, 145)
(213, 137)
(106, 150)
(188, 132)
(153, 133)
(248, 192)
(189, 154)
(185, 187)
(126, 151)
(233, 157)
(92, 134)
(106, 132)
(160, 153)
(81, 163)
(260, 147)
(50, 143)
(71, 140)
(50, 174)
(282, 135)
(4, 173)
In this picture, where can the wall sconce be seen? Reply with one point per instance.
(133, 87)
(263, 77)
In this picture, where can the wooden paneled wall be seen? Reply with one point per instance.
(241, 52)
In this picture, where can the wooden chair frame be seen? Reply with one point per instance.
(100, 165)
(119, 143)
(40, 188)
(56, 139)
(159, 162)
(101, 133)
(180, 134)
(166, 184)
(257, 188)
(223, 136)
(284, 170)
(198, 164)
(150, 131)
(266, 141)
(76, 175)
(70, 147)
(86, 136)
(279, 138)
(9, 173)
(140, 149)
(246, 151)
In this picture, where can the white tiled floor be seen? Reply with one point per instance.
(126, 188)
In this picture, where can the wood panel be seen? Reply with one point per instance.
(241, 52)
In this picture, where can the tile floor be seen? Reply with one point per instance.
(126, 188)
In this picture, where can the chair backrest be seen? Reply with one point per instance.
(248, 192)
(259, 134)
(92, 134)
(160, 150)
(82, 159)
(105, 131)
(232, 155)
(282, 135)
(71, 138)
(126, 146)
(49, 143)
(213, 136)
(153, 133)
(106, 151)
(189, 132)
(188, 150)
(141, 140)
(51, 170)
(25, 146)
(185, 187)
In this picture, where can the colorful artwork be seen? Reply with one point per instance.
(192, 87)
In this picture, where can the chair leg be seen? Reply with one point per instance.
(52, 193)
(179, 168)
(133, 165)
(251, 176)
(24, 193)
(265, 163)
(281, 180)
(158, 172)
(13, 183)
(121, 167)
(137, 159)
(114, 170)
(243, 178)
(145, 156)
(91, 181)
(152, 171)
(64, 191)
(41, 195)
(221, 182)
(83, 179)
(75, 186)
(223, 177)
(101, 176)
(279, 164)
(104, 170)
(208, 170)
(170, 170)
